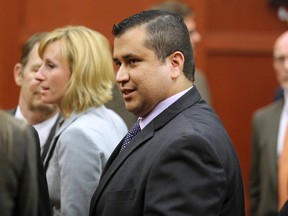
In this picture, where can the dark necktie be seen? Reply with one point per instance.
(134, 130)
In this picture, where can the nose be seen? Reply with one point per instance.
(122, 75)
(40, 75)
(281, 62)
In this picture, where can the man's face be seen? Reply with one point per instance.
(30, 97)
(195, 36)
(142, 78)
(280, 56)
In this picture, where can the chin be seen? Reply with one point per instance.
(47, 102)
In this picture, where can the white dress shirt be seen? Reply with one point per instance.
(43, 128)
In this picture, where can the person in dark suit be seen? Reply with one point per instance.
(43, 117)
(18, 181)
(268, 129)
(182, 161)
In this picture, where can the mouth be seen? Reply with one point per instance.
(127, 94)
(43, 90)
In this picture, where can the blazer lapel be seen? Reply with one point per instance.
(59, 130)
(273, 137)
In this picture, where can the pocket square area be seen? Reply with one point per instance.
(121, 195)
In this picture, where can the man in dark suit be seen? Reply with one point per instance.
(43, 117)
(269, 126)
(182, 161)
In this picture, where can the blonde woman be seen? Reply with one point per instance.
(77, 75)
(18, 184)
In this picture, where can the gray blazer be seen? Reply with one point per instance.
(181, 163)
(77, 157)
(264, 163)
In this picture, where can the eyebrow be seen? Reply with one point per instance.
(34, 66)
(125, 57)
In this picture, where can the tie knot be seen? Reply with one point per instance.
(134, 130)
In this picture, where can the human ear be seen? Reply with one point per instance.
(18, 76)
(177, 62)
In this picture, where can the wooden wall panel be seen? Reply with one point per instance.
(9, 22)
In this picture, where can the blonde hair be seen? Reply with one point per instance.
(89, 56)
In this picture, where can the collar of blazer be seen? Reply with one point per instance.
(64, 125)
(115, 161)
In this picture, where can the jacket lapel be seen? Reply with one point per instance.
(61, 126)
(273, 137)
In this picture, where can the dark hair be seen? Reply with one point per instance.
(166, 33)
(28, 46)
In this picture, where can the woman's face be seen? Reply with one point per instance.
(54, 74)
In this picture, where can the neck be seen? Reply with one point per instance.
(36, 116)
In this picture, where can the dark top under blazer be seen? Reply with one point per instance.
(181, 163)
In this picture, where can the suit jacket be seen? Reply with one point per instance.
(44, 208)
(181, 163)
(77, 157)
(264, 163)
(19, 193)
